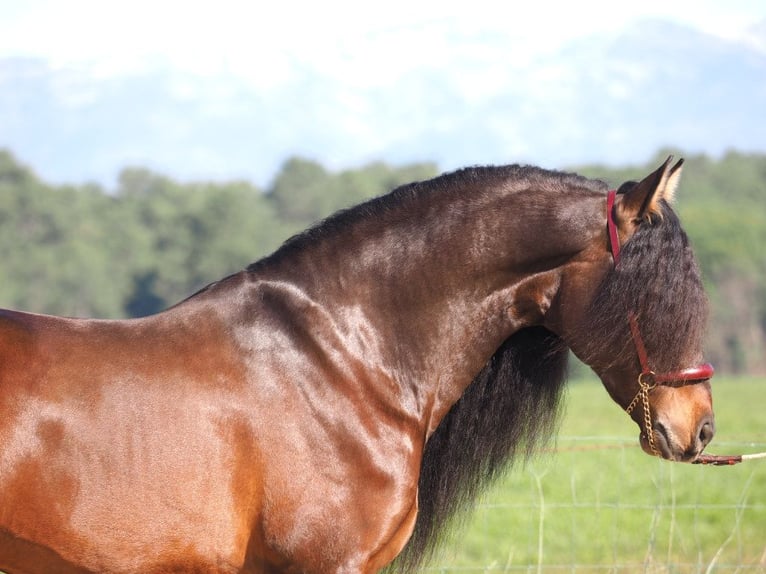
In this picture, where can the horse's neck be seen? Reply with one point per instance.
(438, 289)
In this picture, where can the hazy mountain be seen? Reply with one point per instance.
(611, 98)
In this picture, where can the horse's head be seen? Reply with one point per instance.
(644, 327)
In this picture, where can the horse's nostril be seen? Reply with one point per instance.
(707, 430)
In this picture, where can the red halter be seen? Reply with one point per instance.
(648, 379)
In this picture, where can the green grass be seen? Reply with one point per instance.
(597, 503)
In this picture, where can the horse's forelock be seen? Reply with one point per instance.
(658, 280)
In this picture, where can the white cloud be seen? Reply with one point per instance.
(355, 41)
(344, 81)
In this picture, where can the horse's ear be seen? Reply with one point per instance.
(643, 200)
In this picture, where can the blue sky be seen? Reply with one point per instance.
(346, 82)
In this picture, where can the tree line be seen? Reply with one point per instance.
(83, 250)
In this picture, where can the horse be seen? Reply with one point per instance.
(332, 406)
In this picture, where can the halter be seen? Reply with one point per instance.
(648, 380)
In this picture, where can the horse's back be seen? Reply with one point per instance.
(17, 331)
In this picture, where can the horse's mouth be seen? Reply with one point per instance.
(660, 446)
(665, 447)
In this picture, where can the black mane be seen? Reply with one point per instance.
(511, 408)
(403, 201)
(658, 279)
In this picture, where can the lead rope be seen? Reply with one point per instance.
(726, 460)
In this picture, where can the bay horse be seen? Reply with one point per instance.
(333, 405)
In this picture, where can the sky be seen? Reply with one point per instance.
(354, 49)
(245, 37)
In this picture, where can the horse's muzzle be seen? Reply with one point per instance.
(668, 445)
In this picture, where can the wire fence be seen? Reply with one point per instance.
(598, 504)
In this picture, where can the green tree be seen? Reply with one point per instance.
(299, 190)
(80, 250)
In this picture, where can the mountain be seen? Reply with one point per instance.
(612, 98)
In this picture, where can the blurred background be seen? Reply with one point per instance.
(229, 89)
(148, 148)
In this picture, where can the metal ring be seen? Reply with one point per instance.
(647, 386)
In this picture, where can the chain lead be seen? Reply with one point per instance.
(643, 396)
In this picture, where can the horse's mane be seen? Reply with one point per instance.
(403, 202)
(509, 409)
(658, 279)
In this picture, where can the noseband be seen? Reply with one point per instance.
(648, 380)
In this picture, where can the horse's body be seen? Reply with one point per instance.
(277, 420)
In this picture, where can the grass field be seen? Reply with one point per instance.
(597, 503)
